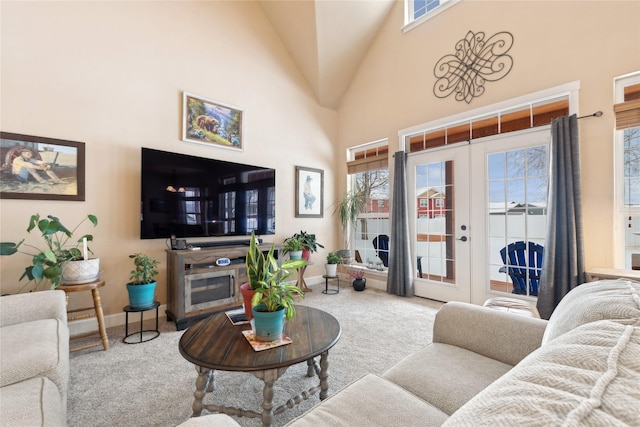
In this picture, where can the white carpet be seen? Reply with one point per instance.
(150, 384)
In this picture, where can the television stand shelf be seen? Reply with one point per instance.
(198, 287)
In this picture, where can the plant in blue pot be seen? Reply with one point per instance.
(142, 287)
(273, 302)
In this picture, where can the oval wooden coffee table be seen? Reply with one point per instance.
(215, 344)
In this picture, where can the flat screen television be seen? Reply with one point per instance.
(187, 196)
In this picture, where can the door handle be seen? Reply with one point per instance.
(463, 238)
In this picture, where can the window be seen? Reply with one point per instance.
(368, 169)
(627, 111)
(421, 10)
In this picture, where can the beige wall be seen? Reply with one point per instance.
(111, 75)
(555, 43)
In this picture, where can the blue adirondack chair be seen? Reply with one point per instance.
(381, 245)
(523, 262)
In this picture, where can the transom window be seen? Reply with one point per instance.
(421, 10)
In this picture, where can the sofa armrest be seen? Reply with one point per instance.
(27, 307)
(500, 335)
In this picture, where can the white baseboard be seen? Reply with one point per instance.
(84, 326)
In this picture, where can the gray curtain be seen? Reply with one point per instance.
(563, 261)
(400, 274)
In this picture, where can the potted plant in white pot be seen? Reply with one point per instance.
(49, 265)
(331, 267)
(273, 301)
(142, 285)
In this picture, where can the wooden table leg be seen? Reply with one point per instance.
(201, 383)
(98, 307)
(324, 375)
(301, 282)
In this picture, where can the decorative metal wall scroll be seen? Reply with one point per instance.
(475, 62)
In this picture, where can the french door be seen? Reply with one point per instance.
(471, 202)
(440, 222)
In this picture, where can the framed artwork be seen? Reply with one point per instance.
(212, 123)
(309, 192)
(38, 168)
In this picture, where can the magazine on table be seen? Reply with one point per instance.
(237, 316)
(250, 335)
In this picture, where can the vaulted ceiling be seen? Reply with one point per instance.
(327, 39)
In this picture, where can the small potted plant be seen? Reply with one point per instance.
(293, 246)
(309, 243)
(50, 265)
(353, 203)
(273, 300)
(359, 281)
(142, 285)
(331, 267)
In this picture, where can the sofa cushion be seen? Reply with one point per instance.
(38, 348)
(34, 402)
(617, 300)
(588, 376)
(445, 375)
(217, 420)
(370, 401)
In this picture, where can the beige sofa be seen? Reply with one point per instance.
(493, 368)
(34, 359)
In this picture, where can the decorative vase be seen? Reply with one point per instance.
(81, 271)
(359, 284)
(331, 270)
(247, 294)
(141, 296)
(295, 254)
(306, 254)
(268, 324)
(346, 255)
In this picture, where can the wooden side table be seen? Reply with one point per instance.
(97, 312)
(301, 282)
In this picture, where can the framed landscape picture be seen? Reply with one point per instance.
(213, 123)
(309, 192)
(39, 168)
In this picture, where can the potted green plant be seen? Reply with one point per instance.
(257, 269)
(353, 203)
(293, 246)
(309, 243)
(359, 281)
(50, 263)
(261, 266)
(331, 267)
(273, 301)
(142, 285)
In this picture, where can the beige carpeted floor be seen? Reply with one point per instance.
(150, 384)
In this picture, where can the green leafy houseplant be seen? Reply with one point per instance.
(257, 263)
(47, 264)
(308, 240)
(144, 271)
(353, 203)
(292, 244)
(333, 258)
(270, 286)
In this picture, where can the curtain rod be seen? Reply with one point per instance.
(596, 114)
